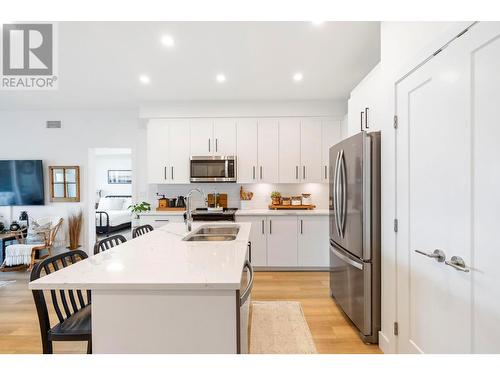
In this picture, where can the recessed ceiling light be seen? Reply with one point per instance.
(220, 78)
(318, 23)
(167, 41)
(297, 77)
(144, 79)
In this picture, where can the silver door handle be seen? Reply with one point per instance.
(343, 180)
(216, 144)
(301, 226)
(253, 172)
(325, 172)
(336, 193)
(304, 172)
(270, 227)
(296, 172)
(172, 172)
(261, 172)
(437, 254)
(165, 172)
(262, 226)
(457, 263)
(208, 144)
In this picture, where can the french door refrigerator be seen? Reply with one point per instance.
(354, 210)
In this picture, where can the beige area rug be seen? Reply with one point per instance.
(279, 327)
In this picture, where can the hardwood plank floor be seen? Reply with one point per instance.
(332, 333)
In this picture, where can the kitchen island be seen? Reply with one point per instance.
(159, 293)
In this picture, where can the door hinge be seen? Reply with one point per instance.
(395, 121)
(396, 328)
(396, 225)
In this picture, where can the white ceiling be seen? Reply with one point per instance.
(100, 62)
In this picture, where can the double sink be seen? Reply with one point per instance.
(214, 233)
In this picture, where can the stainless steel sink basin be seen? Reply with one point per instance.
(210, 237)
(214, 233)
(233, 230)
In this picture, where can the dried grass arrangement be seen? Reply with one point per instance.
(75, 227)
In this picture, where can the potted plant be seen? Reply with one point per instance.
(276, 198)
(136, 209)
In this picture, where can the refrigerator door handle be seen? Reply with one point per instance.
(343, 178)
(345, 258)
(335, 194)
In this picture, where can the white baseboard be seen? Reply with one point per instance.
(384, 344)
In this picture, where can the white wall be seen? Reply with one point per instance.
(403, 46)
(24, 136)
(106, 162)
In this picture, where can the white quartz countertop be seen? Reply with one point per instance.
(158, 260)
(253, 212)
(268, 212)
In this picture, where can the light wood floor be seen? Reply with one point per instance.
(332, 333)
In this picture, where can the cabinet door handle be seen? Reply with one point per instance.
(172, 172)
(366, 118)
(262, 226)
(301, 226)
(361, 121)
(216, 144)
(270, 227)
(326, 172)
(261, 172)
(304, 172)
(253, 172)
(165, 172)
(296, 172)
(208, 144)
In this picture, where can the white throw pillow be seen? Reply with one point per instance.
(110, 204)
(127, 202)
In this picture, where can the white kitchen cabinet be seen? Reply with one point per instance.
(289, 150)
(246, 144)
(157, 221)
(202, 133)
(268, 143)
(330, 135)
(257, 238)
(282, 241)
(179, 153)
(224, 139)
(168, 151)
(157, 151)
(312, 240)
(363, 104)
(310, 150)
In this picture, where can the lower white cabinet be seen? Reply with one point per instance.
(258, 239)
(312, 240)
(282, 241)
(157, 221)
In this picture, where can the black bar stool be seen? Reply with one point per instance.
(108, 242)
(140, 230)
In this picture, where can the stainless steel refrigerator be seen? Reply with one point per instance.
(354, 197)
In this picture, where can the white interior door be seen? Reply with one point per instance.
(447, 195)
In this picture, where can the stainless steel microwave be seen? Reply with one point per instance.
(213, 169)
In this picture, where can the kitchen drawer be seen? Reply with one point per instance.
(157, 221)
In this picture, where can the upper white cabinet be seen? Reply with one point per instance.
(330, 135)
(310, 150)
(224, 138)
(168, 151)
(289, 150)
(202, 134)
(267, 143)
(363, 104)
(284, 150)
(211, 137)
(246, 155)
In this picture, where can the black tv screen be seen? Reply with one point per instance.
(21, 183)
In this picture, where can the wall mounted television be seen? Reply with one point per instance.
(21, 183)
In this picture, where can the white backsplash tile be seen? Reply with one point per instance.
(261, 191)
